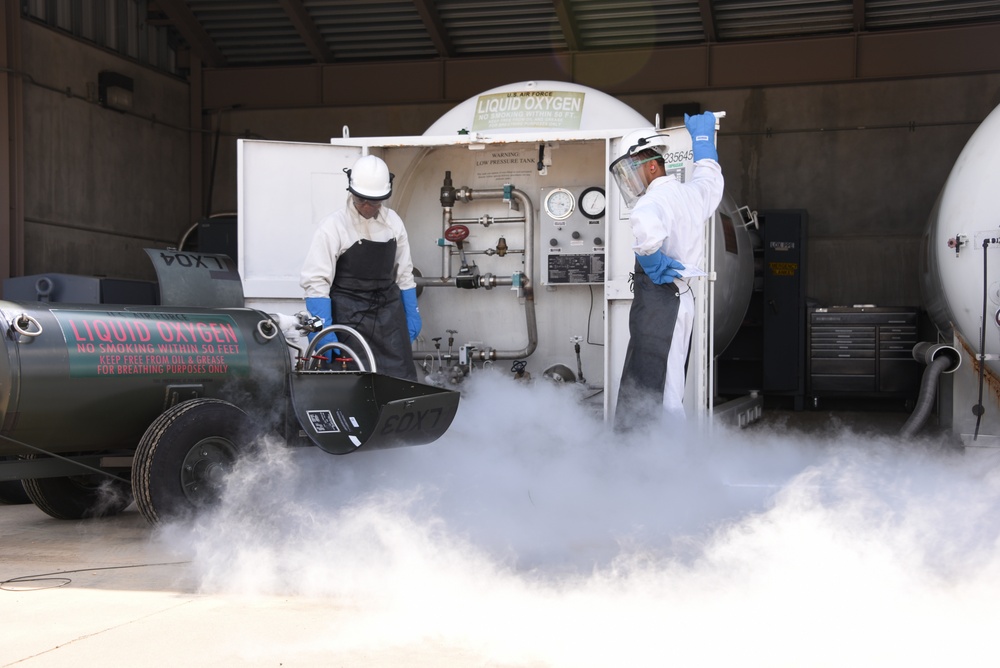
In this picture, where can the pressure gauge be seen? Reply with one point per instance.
(559, 203)
(592, 202)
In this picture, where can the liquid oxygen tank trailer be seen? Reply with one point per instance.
(960, 286)
(519, 236)
(103, 403)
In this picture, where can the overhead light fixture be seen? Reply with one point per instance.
(114, 90)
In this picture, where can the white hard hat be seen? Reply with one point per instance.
(626, 168)
(369, 178)
(642, 140)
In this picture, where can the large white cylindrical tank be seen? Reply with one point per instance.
(600, 111)
(965, 216)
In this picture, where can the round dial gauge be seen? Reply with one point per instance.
(592, 202)
(559, 203)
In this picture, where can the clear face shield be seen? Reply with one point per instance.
(368, 208)
(627, 171)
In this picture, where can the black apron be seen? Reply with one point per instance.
(364, 295)
(651, 323)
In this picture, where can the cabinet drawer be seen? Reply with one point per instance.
(896, 355)
(848, 367)
(831, 318)
(842, 332)
(830, 343)
(843, 329)
(903, 351)
(903, 341)
(843, 352)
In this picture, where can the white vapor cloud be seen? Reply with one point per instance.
(530, 534)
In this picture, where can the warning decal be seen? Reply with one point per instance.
(322, 421)
(529, 109)
(783, 268)
(173, 345)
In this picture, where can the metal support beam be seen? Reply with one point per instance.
(307, 30)
(708, 20)
(568, 24)
(11, 142)
(188, 26)
(52, 467)
(435, 28)
(859, 15)
(196, 142)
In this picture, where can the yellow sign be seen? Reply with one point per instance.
(783, 268)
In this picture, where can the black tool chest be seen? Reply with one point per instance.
(863, 350)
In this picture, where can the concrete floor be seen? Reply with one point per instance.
(818, 419)
(105, 592)
(110, 592)
(876, 415)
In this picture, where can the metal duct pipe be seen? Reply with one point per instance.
(939, 359)
(925, 353)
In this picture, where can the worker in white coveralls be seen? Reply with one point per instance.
(358, 272)
(668, 222)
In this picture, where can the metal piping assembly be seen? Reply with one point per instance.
(455, 230)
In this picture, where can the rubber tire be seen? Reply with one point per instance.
(161, 484)
(78, 497)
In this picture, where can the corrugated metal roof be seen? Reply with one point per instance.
(235, 33)
(373, 30)
(887, 14)
(611, 24)
(250, 31)
(752, 19)
(500, 28)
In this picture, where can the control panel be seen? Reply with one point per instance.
(572, 232)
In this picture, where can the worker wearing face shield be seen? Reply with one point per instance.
(668, 220)
(358, 272)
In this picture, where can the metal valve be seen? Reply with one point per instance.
(308, 322)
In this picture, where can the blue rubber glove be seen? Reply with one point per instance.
(660, 268)
(413, 322)
(702, 129)
(322, 308)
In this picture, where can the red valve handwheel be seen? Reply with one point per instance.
(456, 233)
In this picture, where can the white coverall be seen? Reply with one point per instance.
(362, 265)
(341, 230)
(670, 218)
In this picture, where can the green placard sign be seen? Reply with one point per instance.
(553, 109)
(168, 345)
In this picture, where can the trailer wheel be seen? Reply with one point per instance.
(78, 497)
(184, 456)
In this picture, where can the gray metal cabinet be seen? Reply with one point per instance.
(863, 350)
